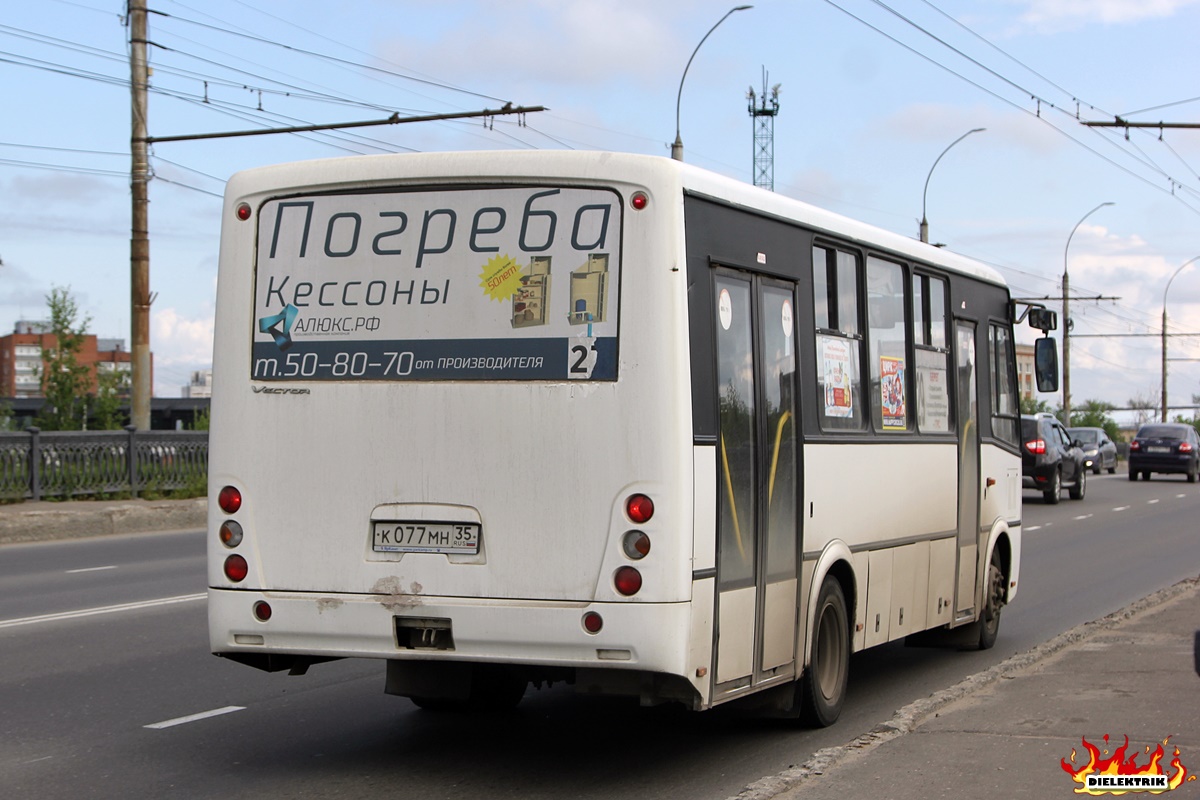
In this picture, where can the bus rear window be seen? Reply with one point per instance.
(453, 284)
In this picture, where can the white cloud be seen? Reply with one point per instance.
(1058, 15)
(181, 344)
(565, 43)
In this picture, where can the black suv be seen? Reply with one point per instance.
(1164, 447)
(1050, 459)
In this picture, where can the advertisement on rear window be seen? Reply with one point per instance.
(471, 284)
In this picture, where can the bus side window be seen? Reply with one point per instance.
(932, 355)
(887, 345)
(837, 279)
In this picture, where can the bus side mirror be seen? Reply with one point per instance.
(1043, 319)
(1045, 364)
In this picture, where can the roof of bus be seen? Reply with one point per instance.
(599, 166)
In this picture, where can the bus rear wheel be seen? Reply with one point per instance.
(823, 687)
(993, 601)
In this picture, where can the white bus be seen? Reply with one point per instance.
(511, 418)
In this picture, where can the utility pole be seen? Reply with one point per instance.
(139, 242)
(764, 134)
(139, 180)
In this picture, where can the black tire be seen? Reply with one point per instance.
(1113, 469)
(1096, 470)
(1145, 474)
(993, 602)
(1191, 476)
(1054, 493)
(1080, 488)
(1132, 475)
(823, 687)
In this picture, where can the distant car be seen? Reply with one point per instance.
(1051, 459)
(1099, 452)
(1164, 447)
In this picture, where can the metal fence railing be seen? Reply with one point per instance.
(38, 464)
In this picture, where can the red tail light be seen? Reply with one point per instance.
(1037, 446)
(592, 622)
(230, 500)
(639, 508)
(628, 581)
(236, 569)
(262, 611)
(1135, 446)
(1185, 447)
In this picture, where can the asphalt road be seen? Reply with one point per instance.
(101, 638)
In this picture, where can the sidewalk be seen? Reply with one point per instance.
(1004, 732)
(45, 521)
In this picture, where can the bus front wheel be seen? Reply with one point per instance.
(823, 687)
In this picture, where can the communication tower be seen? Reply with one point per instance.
(763, 110)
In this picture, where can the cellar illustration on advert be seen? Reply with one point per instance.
(531, 301)
(589, 287)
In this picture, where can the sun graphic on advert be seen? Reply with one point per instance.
(500, 278)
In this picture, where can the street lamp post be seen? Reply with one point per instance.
(1182, 266)
(677, 147)
(1066, 290)
(925, 222)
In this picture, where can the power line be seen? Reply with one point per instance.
(334, 59)
(1040, 100)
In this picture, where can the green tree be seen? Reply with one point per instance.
(200, 419)
(1195, 419)
(1095, 414)
(1031, 405)
(65, 382)
(110, 394)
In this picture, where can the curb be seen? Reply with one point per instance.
(913, 715)
(73, 521)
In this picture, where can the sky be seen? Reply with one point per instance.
(872, 93)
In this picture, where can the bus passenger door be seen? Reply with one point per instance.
(968, 467)
(758, 480)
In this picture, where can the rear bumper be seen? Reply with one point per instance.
(638, 636)
(1160, 463)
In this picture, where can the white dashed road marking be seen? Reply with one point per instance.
(216, 712)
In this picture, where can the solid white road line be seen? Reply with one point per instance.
(90, 612)
(90, 569)
(216, 712)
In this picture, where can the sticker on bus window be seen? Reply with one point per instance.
(891, 393)
(836, 371)
(448, 284)
(725, 309)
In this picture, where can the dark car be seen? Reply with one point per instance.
(1099, 452)
(1164, 447)
(1051, 459)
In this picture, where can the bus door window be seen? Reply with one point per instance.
(736, 454)
(968, 465)
(776, 325)
(758, 457)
